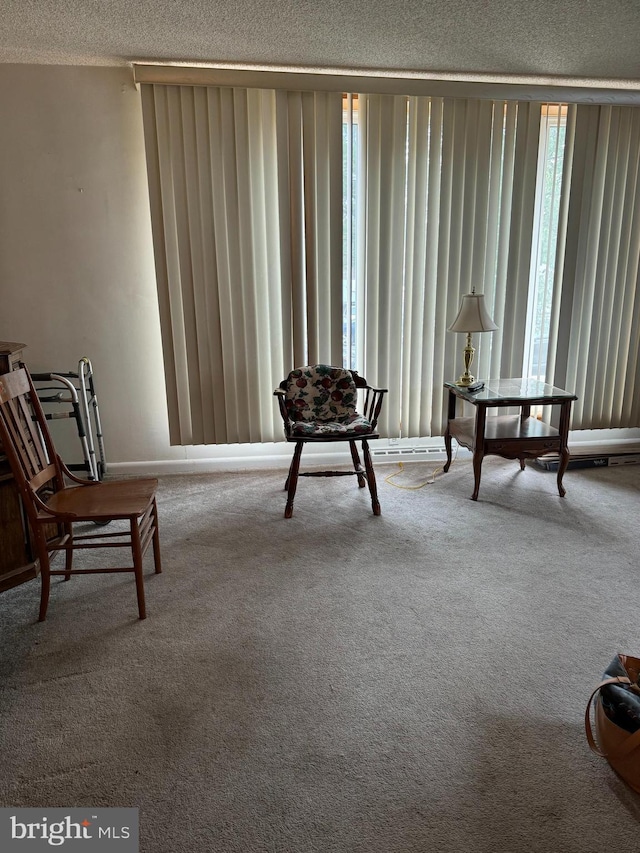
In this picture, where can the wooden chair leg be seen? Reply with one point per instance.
(68, 554)
(357, 465)
(45, 573)
(136, 550)
(156, 540)
(44, 592)
(288, 480)
(371, 477)
(292, 479)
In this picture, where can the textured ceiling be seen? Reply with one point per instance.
(577, 40)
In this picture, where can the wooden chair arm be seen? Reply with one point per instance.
(81, 480)
(45, 511)
(280, 394)
(373, 403)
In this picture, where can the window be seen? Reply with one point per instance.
(304, 224)
(553, 123)
(547, 205)
(438, 199)
(349, 247)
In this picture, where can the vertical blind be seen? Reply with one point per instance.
(596, 334)
(246, 204)
(446, 206)
(247, 195)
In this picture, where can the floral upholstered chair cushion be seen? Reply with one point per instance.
(321, 400)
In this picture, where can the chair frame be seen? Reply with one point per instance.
(40, 476)
(371, 406)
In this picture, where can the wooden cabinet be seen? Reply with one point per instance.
(10, 356)
(16, 558)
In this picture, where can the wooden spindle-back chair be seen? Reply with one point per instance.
(53, 507)
(318, 403)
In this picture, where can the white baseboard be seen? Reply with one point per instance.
(251, 457)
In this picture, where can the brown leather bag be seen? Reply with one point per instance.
(617, 719)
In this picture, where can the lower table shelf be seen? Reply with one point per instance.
(508, 435)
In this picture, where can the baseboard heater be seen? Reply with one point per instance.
(550, 463)
(408, 452)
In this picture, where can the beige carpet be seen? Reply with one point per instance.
(338, 682)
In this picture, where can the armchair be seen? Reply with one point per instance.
(318, 403)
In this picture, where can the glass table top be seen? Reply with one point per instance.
(513, 391)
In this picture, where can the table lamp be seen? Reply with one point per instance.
(472, 317)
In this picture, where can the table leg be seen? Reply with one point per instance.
(562, 467)
(563, 429)
(447, 446)
(478, 448)
(525, 412)
(451, 413)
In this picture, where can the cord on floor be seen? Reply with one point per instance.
(428, 482)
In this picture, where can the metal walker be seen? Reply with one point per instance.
(77, 392)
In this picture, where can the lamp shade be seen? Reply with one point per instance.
(473, 315)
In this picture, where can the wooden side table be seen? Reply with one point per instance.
(510, 436)
(17, 563)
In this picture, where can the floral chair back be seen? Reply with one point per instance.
(321, 400)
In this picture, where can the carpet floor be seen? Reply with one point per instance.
(338, 682)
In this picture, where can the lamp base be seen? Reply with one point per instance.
(466, 380)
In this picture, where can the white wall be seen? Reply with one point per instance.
(77, 273)
(76, 262)
(76, 259)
